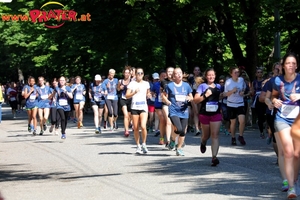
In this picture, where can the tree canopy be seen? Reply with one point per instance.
(151, 34)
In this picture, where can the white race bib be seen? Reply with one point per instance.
(180, 98)
(79, 96)
(32, 97)
(111, 96)
(123, 96)
(63, 102)
(44, 96)
(12, 98)
(97, 98)
(211, 106)
(139, 105)
(289, 111)
(159, 98)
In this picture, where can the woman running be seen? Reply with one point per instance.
(64, 94)
(234, 90)
(139, 91)
(12, 95)
(111, 99)
(124, 102)
(285, 97)
(43, 103)
(55, 118)
(78, 91)
(210, 115)
(96, 94)
(258, 107)
(157, 90)
(178, 95)
(30, 94)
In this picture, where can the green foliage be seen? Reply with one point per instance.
(150, 34)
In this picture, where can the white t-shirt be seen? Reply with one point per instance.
(139, 100)
(235, 100)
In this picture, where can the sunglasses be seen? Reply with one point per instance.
(140, 73)
(221, 81)
(259, 72)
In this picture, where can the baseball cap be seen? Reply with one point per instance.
(155, 76)
(98, 77)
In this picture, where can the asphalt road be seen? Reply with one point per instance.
(105, 166)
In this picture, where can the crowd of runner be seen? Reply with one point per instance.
(172, 103)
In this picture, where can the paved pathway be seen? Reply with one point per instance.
(104, 166)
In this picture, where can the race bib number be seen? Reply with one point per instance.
(159, 98)
(180, 98)
(97, 98)
(12, 98)
(139, 105)
(32, 98)
(211, 106)
(78, 96)
(289, 111)
(111, 96)
(63, 102)
(123, 96)
(152, 98)
(44, 96)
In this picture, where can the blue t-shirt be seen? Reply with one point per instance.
(268, 87)
(156, 89)
(63, 99)
(177, 96)
(289, 110)
(210, 105)
(78, 95)
(111, 88)
(151, 100)
(97, 92)
(32, 100)
(43, 101)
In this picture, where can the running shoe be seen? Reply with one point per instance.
(171, 145)
(179, 152)
(45, 127)
(99, 128)
(262, 136)
(111, 129)
(269, 140)
(138, 150)
(157, 133)
(161, 141)
(42, 132)
(215, 161)
(226, 132)
(126, 134)
(198, 132)
(241, 140)
(233, 141)
(285, 186)
(63, 136)
(29, 128)
(51, 129)
(115, 125)
(96, 130)
(104, 125)
(144, 148)
(203, 148)
(291, 193)
(81, 125)
(78, 125)
(34, 132)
